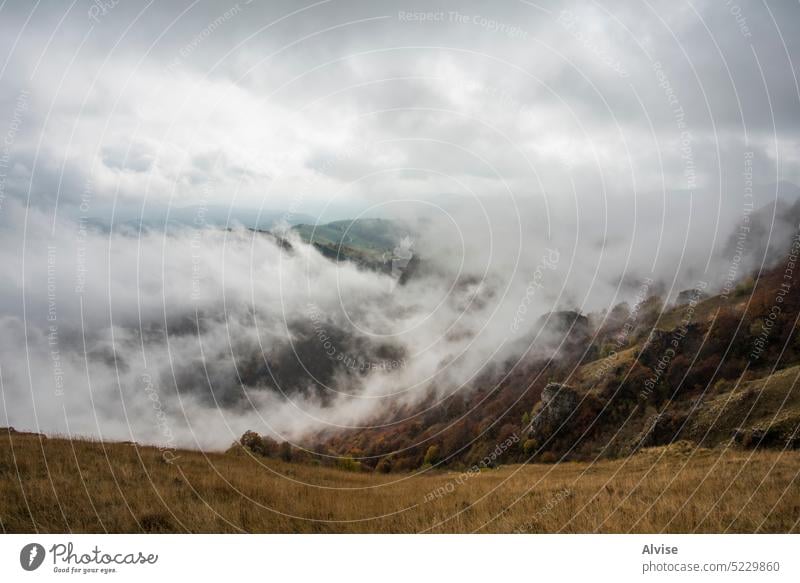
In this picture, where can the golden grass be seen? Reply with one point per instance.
(56, 485)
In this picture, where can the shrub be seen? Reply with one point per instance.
(432, 455)
(384, 466)
(745, 287)
(349, 464)
(252, 441)
(258, 445)
(269, 446)
(548, 457)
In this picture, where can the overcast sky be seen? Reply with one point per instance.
(280, 104)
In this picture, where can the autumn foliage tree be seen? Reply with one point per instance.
(432, 455)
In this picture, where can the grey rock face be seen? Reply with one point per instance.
(558, 402)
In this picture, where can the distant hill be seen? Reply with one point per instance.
(371, 243)
(161, 218)
(370, 236)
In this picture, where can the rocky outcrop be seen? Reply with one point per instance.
(688, 296)
(557, 403)
(564, 323)
(563, 333)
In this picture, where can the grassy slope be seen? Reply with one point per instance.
(367, 239)
(56, 485)
(771, 403)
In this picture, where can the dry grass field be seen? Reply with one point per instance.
(56, 486)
